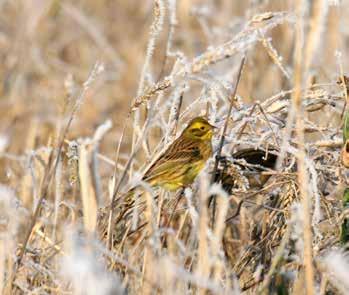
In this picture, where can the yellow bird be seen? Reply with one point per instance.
(176, 168)
(179, 165)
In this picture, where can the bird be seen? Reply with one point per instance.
(178, 166)
(185, 157)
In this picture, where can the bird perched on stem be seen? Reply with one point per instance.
(178, 166)
(182, 161)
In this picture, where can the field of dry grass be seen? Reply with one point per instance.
(92, 91)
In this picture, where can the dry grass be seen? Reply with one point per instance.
(92, 92)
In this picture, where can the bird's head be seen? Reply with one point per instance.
(199, 129)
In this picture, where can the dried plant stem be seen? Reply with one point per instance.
(318, 19)
(27, 184)
(50, 171)
(277, 258)
(2, 266)
(240, 132)
(155, 30)
(156, 27)
(149, 257)
(58, 197)
(127, 166)
(216, 242)
(343, 85)
(303, 178)
(213, 55)
(117, 186)
(177, 113)
(43, 194)
(112, 188)
(203, 263)
(303, 185)
(221, 141)
(274, 55)
(88, 194)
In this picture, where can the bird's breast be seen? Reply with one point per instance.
(205, 150)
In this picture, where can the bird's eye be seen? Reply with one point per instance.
(202, 127)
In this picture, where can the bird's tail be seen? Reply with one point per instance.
(124, 204)
(121, 208)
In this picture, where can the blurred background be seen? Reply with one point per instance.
(48, 48)
(48, 53)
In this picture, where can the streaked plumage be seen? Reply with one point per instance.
(185, 157)
(179, 165)
(176, 168)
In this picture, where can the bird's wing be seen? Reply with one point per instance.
(179, 153)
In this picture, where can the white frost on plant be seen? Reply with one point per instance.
(188, 193)
(102, 130)
(175, 271)
(338, 266)
(173, 23)
(258, 272)
(83, 269)
(4, 141)
(98, 68)
(338, 54)
(156, 28)
(334, 2)
(296, 223)
(10, 214)
(174, 110)
(317, 216)
(216, 189)
(213, 105)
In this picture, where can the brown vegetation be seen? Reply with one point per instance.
(92, 91)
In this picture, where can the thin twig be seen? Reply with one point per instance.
(266, 188)
(302, 169)
(109, 236)
(127, 166)
(178, 111)
(221, 142)
(268, 123)
(51, 168)
(240, 132)
(277, 258)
